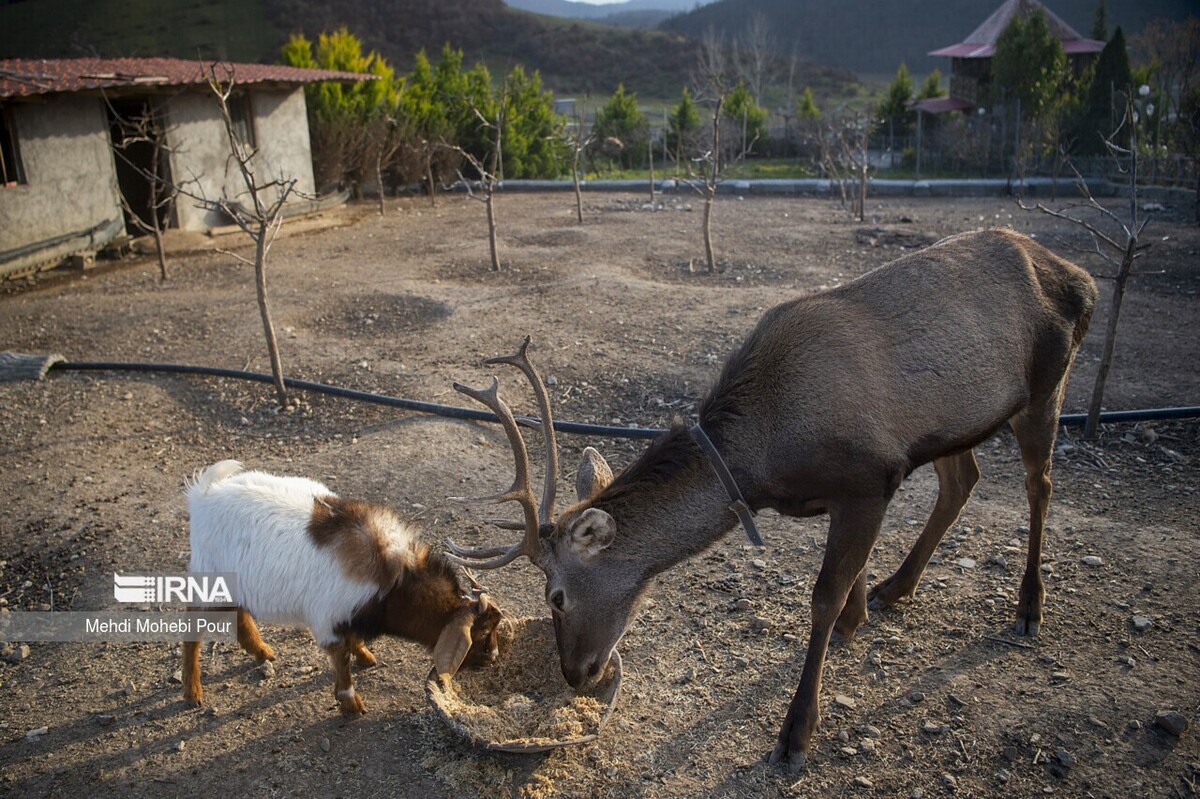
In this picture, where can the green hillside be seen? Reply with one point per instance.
(575, 57)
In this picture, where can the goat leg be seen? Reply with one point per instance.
(349, 702)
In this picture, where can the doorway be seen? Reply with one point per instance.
(143, 164)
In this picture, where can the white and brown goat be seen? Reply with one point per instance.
(347, 570)
(830, 402)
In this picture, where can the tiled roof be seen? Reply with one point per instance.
(23, 77)
(981, 43)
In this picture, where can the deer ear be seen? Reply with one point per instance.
(451, 649)
(594, 475)
(592, 531)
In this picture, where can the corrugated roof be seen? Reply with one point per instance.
(25, 77)
(981, 43)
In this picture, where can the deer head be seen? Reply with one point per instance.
(571, 551)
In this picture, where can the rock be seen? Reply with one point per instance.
(871, 731)
(128, 688)
(324, 744)
(1142, 623)
(1092, 560)
(862, 782)
(916, 697)
(950, 781)
(866, 746)
(1060, 676)
(266, 670)
(105, 719)
(841, 700)
(848, 751)
(967, 563)
(758, 563)
(176, 678)
(933, 729)
(179, 745)
(1003, 775)
(744, 604)
(1064, 757)
(33, 735)
(1171, 721)
(18, 654)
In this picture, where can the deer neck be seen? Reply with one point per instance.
(669, 505)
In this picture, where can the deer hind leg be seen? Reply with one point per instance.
(957, 476)
(853, 529)
(1035, 430)
(855, 611)
(250, 640)
(362, 656)
(349, 702)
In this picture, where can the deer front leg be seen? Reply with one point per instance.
(348, 700)
(853, 528)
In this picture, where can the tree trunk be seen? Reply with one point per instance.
(650, 151)
(264, 309)
(430, 186)
(709, 255)
(575, 183)
(379, 177)
(491, 219)
(1091, 427)
(159, 247)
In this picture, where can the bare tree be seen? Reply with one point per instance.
(842, 152)
(1116, 238)
(491, 172)
(755, 49)
(257, 209)
(712, 85)
(385, 140)
(579, 141)
(145, 128)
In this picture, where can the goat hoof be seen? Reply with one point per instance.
(797, 762)
(365, 661)
(266, 654)
(194, 701)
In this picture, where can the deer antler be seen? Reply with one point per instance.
(520, 360)
(520, 491)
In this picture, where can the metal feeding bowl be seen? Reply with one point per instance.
(522, 703)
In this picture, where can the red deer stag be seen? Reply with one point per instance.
(831, 401)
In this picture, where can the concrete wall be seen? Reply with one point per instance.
(71, 176)
(200, 159)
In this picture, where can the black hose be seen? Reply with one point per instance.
(606, 431)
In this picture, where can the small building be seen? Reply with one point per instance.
(72, 169)
(971, 59)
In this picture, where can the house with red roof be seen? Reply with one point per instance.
(971, 59)
(67, 159)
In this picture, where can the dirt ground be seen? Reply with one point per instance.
(932, 699)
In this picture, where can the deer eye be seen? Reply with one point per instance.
(558, 600)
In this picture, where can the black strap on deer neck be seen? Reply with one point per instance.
(736, 503)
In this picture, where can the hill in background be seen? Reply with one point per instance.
(872, 37)
(574, 56)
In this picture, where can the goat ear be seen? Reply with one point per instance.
(451, 649)
(594, 475)
(592, 531)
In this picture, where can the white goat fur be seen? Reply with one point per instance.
(255, 525)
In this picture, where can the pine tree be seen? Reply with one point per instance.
(1099, 112)
(1100, 23)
